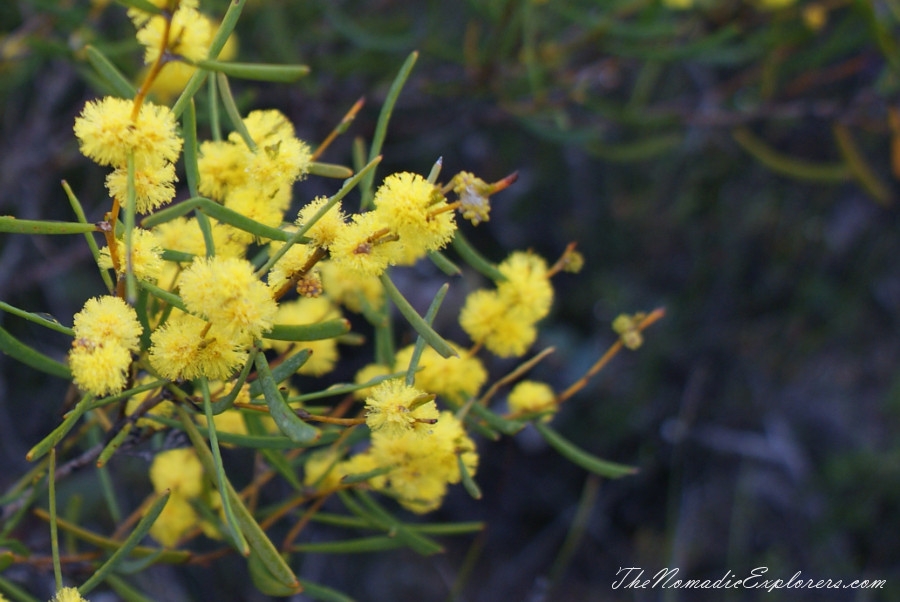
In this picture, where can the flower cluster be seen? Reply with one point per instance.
(239, 298)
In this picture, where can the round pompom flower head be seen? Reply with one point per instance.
(228, 294)
(106, 133)
(394, 408)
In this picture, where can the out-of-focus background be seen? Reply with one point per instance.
(732, 162)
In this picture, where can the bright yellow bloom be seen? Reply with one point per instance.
(190, 33)
(107, 134)
(165, 409)
(178, 351)
(252, 203)
(139, 17)
(146, 256)
(326, 228)
(321, 470)
(393, 408)
(363, 247)
(305, 310)
(489, 319)
(107, 320)
(176, 519)
(221, 164)
(353, 292)
(68, 594)
(178, 470)
(154, 185)
(413, 209)
(99, 369)
(456, 378)
(226, 291)
(529, 396)
(527, 286)
(184, 234)
(423, 466)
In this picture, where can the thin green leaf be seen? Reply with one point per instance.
(308, 332)
(787, 165)
(125, 591)
(37, 319)
(191, 149)
(54, 534)
(467, 480)
(170, 298)
(260, 544)
(420, 341)
(416, 541)
(330, 170)
(321, 592)
(95, 250)
(234, 115)
(237, 536)
(110, 72)
(218, 212)
(580, 457)
(15, 592)
(495, 421)
(416, 321)
(475, 259)
(11, 224)
(229, 21)
(130, 209)
(251, 441)
(376, 543)
(50, 441)
(141, 530)
(262, 72)
(444, 264)
(266, 582)
(283, 371)
(284, 416)
(381, 126)
(114, 444)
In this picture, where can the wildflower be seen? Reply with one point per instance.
(106, 320)
(529, 397)
(249, 201)
(505, 330)
(456, 378)
(414, 209)
(423, 466)
(294, 260)
(146, 256)
(326, 228)
(527, 286)
(154, 185)
(189, 35)
(164, 409)
(321, 470)
(228, 294)
(309, 311)
(99, 369)
(107, 134)
(353, 292)
(280, 158)
(68, 594)
(394, 408)
(179, 471)
(221, 165)
(176, 519)
(184, 235)
(180, 350)
(363, 247)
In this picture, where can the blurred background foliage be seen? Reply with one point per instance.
(733, 162)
